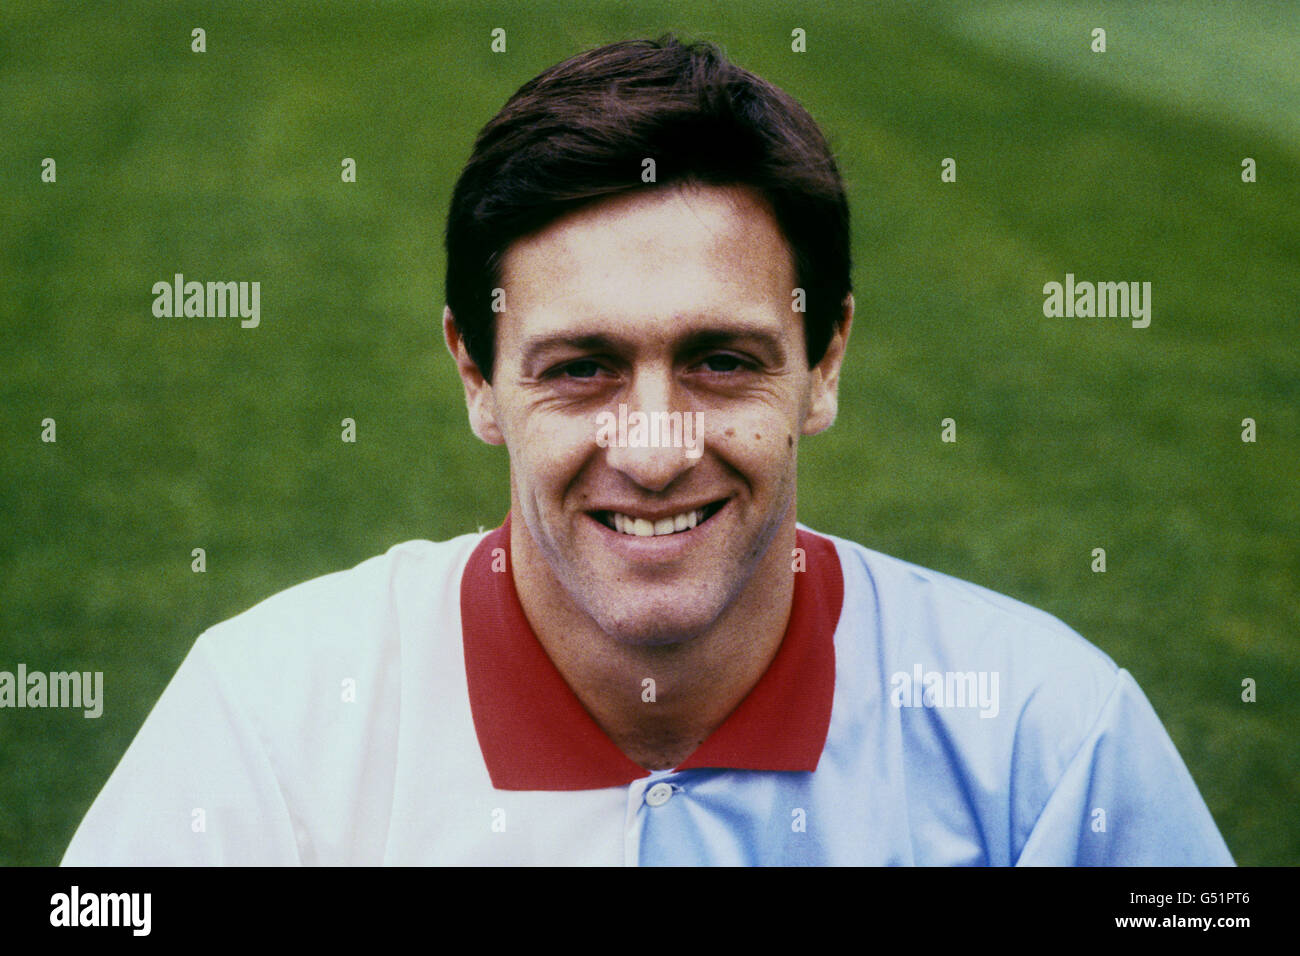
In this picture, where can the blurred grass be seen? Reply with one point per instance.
(1072, 433)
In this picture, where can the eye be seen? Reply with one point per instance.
(583, 368)
(724, 362)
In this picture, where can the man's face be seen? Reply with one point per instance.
(668, 300)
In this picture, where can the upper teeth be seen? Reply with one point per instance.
(644, 527)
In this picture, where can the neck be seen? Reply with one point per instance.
(658, 703)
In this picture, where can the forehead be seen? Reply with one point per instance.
(675, 257)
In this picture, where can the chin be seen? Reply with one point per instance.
(650, 622)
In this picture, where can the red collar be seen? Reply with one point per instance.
(536, 735)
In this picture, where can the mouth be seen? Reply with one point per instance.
(662, 527)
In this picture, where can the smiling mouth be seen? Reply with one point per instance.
(645, 528)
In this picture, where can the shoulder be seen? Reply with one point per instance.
(348, 632)
(281, 723)
(990, 699)
(914, 610)
(314, 677)
(347, 609)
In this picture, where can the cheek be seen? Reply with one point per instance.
(757, 442)
(549, 450)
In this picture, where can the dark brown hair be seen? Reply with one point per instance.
(579, 132)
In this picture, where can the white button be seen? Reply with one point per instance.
(658, 795)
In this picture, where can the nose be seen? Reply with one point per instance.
(655, 443)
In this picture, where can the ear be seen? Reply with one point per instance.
(825, 385)
(479, 398)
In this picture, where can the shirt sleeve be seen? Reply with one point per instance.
(1126, 798)
(194, 788)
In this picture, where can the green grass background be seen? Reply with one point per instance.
(1072, 433)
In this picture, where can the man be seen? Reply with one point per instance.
(650, 661)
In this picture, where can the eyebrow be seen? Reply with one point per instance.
(694, 340)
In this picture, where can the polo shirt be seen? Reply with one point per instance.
(403, 713)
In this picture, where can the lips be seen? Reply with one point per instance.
(669, 524)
